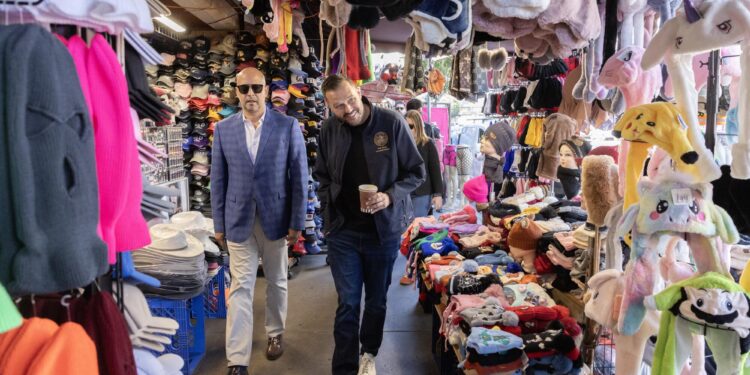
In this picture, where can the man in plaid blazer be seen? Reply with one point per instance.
(259, 199)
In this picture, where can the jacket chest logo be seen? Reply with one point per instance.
(381, 141)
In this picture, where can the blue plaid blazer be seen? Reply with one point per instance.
(274, 187)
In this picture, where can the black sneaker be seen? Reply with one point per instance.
(237, 370)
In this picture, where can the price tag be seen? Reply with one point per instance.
(682, 197)
(683, 125)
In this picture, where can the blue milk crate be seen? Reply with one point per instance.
(215, 296)
(190, 340)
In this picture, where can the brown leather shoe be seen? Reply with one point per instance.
(275, 348)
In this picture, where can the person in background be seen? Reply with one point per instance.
(363, 144)
(244, 170)
(430, 193)
(401, 108)
(431, 130)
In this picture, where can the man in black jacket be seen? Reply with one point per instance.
(363, 144)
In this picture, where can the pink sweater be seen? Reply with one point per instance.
(123, 227)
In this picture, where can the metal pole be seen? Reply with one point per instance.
(712, 98)
(429, 102)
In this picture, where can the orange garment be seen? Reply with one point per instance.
(70, 352)
(28, 343)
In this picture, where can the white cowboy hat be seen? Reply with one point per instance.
(173, 241)
(195, 224)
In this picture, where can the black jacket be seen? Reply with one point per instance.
(433, 183)
(394, 163)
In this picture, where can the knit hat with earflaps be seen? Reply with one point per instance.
(524, 235)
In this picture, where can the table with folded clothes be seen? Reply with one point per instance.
(508, 292)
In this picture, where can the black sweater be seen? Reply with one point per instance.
(433, 183)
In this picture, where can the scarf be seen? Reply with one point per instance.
(570, 180)
(493, 169)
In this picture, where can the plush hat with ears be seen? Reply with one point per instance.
(662, 125)
(483, 59)
(718, 24)
(498, 58)
(599, 192)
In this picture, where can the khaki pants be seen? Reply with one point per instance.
(243, 264)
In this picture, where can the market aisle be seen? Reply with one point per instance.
(309, 337)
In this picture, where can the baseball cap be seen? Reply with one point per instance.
(200, 156)
(278, 74)
(199, 114)
(183, 89)
(295, 66)
(213, 115)
(278, 85)
(201, 44)
(200, 128)
(165, 81)
(185, 46)
(213, 100)
(245, 38)
(200, 91)
(200, 142)
(200, 170)
(262, 54)
(280, 96)
(244, 54)
(227, 67)
(187, 143)
(296, 90)
(186, 127)
(227, 111)
(181, 62)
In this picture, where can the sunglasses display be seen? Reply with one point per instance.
(244, 89)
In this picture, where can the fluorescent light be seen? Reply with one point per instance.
(166, 21)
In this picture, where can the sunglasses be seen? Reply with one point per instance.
(244, 89)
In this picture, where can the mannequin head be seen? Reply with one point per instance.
(485, 147)
(568, 156)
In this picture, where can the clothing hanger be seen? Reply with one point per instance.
(65, 301)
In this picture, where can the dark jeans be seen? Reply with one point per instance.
(359, 259)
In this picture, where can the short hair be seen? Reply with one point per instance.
(333, 82)
(415, 104)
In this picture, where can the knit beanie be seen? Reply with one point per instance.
(501, 135)
(524, 234)
(476, 189)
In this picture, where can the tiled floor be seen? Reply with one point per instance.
(309, 336)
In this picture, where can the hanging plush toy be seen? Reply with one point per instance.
(670, 205)
(657, 124)
(712, 305)
(719, 23)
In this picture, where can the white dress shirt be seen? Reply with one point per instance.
(252, 134)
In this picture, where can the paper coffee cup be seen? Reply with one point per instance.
(365, 192)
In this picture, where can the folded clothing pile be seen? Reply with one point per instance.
(493, 350)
